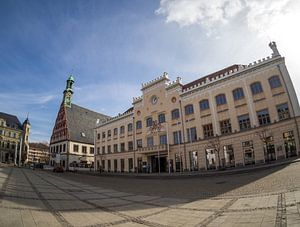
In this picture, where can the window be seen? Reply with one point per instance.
(274, 82)
(244, 122)
(115, 131)
(149, 122)
(189, 109)
(103, 135)
(283, 111)
(177, 137)
(64, 147)
(103, 149)
(175, 114)
(263, 117)
(204, 104)
(84, 149)
(91, 150)
(192, 134)
(122, 129)
(221, 99)
(108, 149)
(150, 141)
(129, 127)
(138, 124)
(109, 133)
(208, 131)
(115, 147)
(122, 147)
(161, 118)
(75, 148)
(139, 143)
(163, 139)
(98, 150)
(225, 126)
(130, 145)
(256, 88)
(238, 93)
(98, 136)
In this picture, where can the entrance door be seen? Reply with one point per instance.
(270, 153)
(210, 159)
(159, 165)
(289, 144)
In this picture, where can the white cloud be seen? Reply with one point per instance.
(206, 13)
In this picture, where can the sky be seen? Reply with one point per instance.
(111, 47)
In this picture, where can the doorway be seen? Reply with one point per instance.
(159, 164)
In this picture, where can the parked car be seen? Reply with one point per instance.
(58, 169)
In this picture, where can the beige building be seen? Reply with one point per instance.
(14, 139)
(241, 115)
(72, 139)
(38, 153)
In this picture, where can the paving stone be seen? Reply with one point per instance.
(110, 202)
(11, 202)
(69, 205)
(255, 202)
(138, 209)
(214, 204)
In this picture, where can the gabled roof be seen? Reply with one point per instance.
(81, 123)
(11, 120)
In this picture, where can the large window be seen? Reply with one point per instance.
(175, 114)
(115, 131)
(192, 134)
(204, 104)
(208, 130)
(115, 147)
(238, 93)
(103, 149)
(139, 143)
(98, 136)
(225, 126)
(103, 135)
(221, 99)
(263, 117)
(122, 129)
(122, 147)
(161, 118)
(138, 124)
(109, 133)
(150, 142)
(177, 137)
(130, 145)
(149, 122)
(108, 149)
(129, 127)
(189, 109)
(84, 149)
(91, 150)
(283, 111)
(256, 88)
(274, 82)
(163, 139)
(75, 148)
(244, 122)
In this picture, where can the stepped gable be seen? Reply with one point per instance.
(11, 120)
(81, 123)
(210, 76)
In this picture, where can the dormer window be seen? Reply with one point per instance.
(82, 134)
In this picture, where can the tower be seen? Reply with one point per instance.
(68, 92)
(25, 146)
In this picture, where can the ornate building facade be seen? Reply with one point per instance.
(38, 153)
(14, 139)
(72, 140)
(238, 116)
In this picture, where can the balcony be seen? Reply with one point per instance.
(152, 149)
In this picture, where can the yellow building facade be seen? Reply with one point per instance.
(241, 115)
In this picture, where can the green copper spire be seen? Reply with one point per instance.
(68, 92)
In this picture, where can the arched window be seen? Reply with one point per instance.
(129, 127)
(189, 109)
(256, 88)
(122, 129)
(138, 124)
(274, 82)
(161, 118)
(221, 99)
(175, 114)
(204, 104)
(238, 93)
(149, 122)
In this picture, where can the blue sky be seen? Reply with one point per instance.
(111, 47)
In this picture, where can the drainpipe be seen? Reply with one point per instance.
(183, 135)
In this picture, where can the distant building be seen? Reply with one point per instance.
(72, 140)
(38, 153)
(238, 116)
(13, 134)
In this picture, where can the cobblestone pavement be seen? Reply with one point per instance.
(268, 197)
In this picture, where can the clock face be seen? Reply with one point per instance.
(154, 99)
